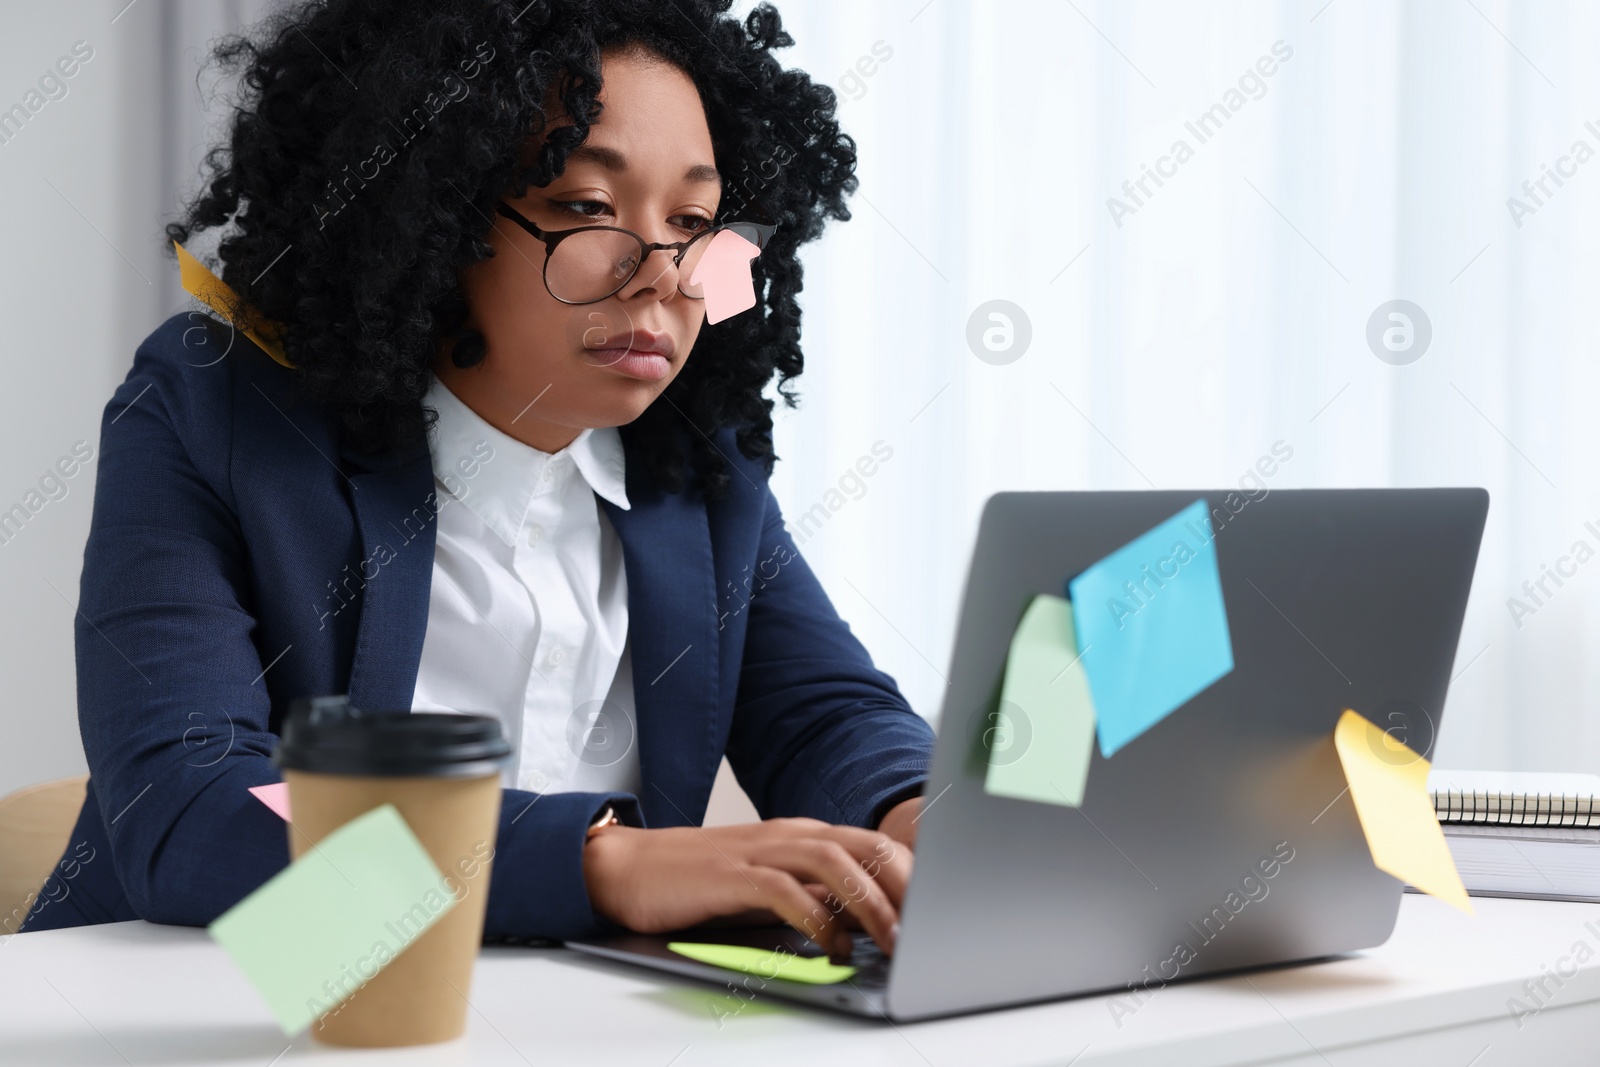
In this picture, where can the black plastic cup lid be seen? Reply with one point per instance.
(325, 735)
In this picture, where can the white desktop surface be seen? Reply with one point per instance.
(1436, 993)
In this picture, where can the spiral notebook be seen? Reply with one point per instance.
(1522, 834)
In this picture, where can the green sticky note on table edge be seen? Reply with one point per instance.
(1152, 625)
(765, 962)
(309, 936)
(1041, 742)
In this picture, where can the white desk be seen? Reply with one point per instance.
(1435, 994)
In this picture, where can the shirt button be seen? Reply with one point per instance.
(557, 657)
(535, 535)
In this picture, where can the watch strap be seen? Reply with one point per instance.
(607, 817)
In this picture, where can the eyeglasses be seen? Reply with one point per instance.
(590, 263)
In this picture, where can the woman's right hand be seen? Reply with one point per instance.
(653, 881)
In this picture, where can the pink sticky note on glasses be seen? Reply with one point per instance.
(275, 796)
(724, 275)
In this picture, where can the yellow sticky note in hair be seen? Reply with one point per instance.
(218, 295)
(1389, 785)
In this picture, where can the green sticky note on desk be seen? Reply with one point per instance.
(1039, 741)
(312, 935)
(765, 962)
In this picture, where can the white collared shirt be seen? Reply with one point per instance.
(528, 611)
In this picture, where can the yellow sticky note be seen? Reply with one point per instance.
(1389, 784)
(765, 962)
(218, 295)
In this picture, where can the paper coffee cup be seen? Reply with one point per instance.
(442, 772)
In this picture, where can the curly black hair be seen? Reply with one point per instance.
(440, 98)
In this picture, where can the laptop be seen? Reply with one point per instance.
(1223, 837)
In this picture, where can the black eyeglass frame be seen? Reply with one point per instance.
(762, 232)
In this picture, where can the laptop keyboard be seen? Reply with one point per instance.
(872, 965)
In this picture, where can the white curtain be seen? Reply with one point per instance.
(1357, 152)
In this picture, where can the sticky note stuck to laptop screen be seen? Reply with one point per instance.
(1152, 625)
(1039, 742)
(1389, 785)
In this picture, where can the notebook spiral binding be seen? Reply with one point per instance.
(1516, 809)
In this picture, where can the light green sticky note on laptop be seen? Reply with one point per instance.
(765, 962)
(1039, 741)
(310, 937)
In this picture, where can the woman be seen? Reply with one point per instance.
(479, 461)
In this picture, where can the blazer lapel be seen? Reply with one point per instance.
(672, 615)
(672, 629)
(396, 512)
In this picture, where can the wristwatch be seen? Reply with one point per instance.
(608, 817)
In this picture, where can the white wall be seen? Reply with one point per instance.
(87, 185)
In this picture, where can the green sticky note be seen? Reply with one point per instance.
(324, 925)
(765, 962)
(1040, 739)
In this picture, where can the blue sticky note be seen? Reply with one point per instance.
(1152, 626)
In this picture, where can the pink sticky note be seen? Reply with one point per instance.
(724, 274)
(275, 796)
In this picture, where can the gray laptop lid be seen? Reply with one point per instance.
(1336, 599)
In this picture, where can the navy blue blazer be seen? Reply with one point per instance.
(242, 554)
